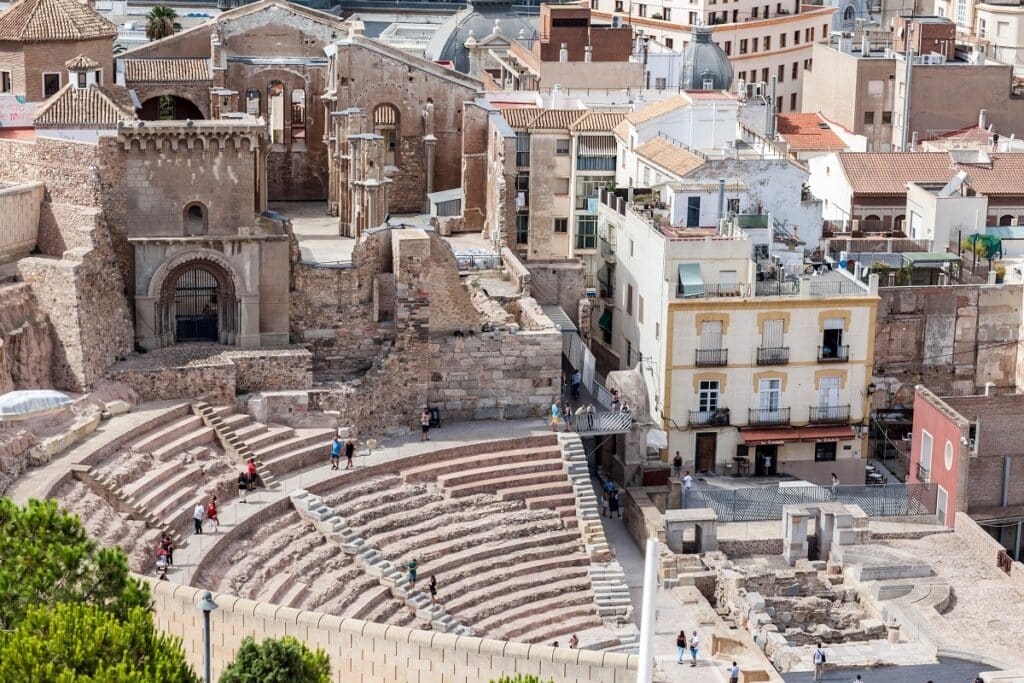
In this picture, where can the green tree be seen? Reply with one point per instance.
(46, 558)
(79, 643)
(520, 678)
(283, 660)
(161, 21)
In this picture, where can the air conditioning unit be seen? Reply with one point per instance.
(616, 21)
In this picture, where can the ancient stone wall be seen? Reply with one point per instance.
(14, 447)
(19, 205)
(560, 283)
(951, 339)
(26, 346)
(212, 381)
(272, 370)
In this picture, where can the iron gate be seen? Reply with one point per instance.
(195, 306)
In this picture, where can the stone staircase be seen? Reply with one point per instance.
(392, 580)
(108, 489)
(611, 594)
(214, 418)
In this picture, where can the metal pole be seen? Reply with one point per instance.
(1016, 543)
(206, 646)
(645, 673)
(905, 129)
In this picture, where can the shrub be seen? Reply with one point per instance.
(284, 660)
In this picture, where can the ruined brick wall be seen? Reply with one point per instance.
(951, 339)
(371, 74)
(26, 345)
(272, 370)
(475, 161)
(19, 205)
(27, 63)
(560, 283)
(14, 447)
(213, 382)
(196, 93)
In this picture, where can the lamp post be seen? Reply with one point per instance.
(206, 605)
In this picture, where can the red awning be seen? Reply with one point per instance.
(769, 437)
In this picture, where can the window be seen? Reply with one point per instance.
(299, 119)
(660, 83)
(711, 335)
(981, 28)
(773, 334)
(618, 5)
(743, 46)
(925, 459)
(708, 84)
(641, 10)
(629, 354)
(275, 111)
(657, 331)
(767, 43)
(51, 84)
(733, 205)
(764, 74)
(522, 190)
(728, 49)
(629, 299)
(669, 43)
(947, 456)
(961, 13)
(808, 64)
(792, 102)
(753, 13)
(782, 73)
(869, 118)
(522, 149)
(640, 309)
(522, 227)
(252, 102)
(586, 232)
(828, 392)
(632, 247)
(666, 14)
(778, 104)
(886, 117)
(832, 339)
(753, 44)
(769, 395)
(562, 147)
(561, 225)
(593, 4)
(793, 72)
(693, 18)
(81, 79)
(5, 82)
(743, 76)
(825, 452)
(386, 124)
(195, 220)
(796, 37)
(99, 76)
(782, 40)
(560, 186)
(707, 396)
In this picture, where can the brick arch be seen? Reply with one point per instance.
(186, 104)
(164, 287)
(215, 258)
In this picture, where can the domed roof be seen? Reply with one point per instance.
(478, 20)
(702, 59)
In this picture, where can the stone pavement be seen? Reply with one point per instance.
(672, 616)
(234, 511)
(948, 671)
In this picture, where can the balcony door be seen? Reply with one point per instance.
(711, 335)
(769, 398)
(828, 397)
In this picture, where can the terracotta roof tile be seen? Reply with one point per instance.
(808, 132)
(520, 117)
(672, 158)
(656, 109)
(53, 20)
(95, 106)
(621, 131)
(166, 70)
(1004, 176)
(598, 121)
(557, 119)
(887, 173)
(81, 63)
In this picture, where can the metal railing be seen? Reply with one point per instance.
(924, 475)
(776, 288)
(828, 354)
(711, 357)
(829, 414)
(610, 422)
(767, 355)
(712, 291)
(761, 503)
(710, 418)
(764, 417)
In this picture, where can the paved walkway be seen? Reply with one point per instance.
(233, 512)
(671, 615)
(948, 671)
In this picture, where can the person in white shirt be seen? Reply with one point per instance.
(734, 673)
(694, 642)
(687, 485)
(197, 516)
(819, 662)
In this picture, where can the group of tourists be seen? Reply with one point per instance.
(337, 446)
(611, 500)
(203, 513)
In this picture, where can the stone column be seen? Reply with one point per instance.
(147, 327)
(429, 143)
(794, 534)
(249, 321)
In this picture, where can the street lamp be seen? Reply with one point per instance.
(206, 605)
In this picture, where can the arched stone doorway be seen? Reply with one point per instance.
(197, 303)
(170, 107)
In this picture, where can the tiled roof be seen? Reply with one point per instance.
(808, 131)
(653, 111)
(621, 130)
(542, 119)
(81, 63)
(972, 135)
(166, 70)
(598, 121)
(95, 106)
(672, 158)
(520, 118)
(887, 173)
(53, 20)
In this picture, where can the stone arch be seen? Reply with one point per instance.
(161, 274)
(1006, 219)
(195, 219)
(182, 107)
(387, 122)
(196, 300)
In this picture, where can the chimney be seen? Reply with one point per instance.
(913, 141)
(981, 118)
(588, 53)
(721, 200)
(563, 53)
(865, 45)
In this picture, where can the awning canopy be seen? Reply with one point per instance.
(605, 321)
(597, 145)
(22, 405)
(690, 280)
(770, 437)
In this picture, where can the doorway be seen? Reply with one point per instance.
(766, 461)
(693, 212)
(704, 453)
(195, 306)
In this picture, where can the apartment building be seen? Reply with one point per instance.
(747, 376)
(762, 41)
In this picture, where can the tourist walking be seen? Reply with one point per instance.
(591, 411)
(687, 485)
(677, 465)
(681, 646)
(197, 516)
(350, 450)
(616, 403)
(614, 505)
(335, 452)
(252, 473)
(555, 414)
(734, 673)
(433, 589)
(835, 484)
(167, 547)
(577, 379)
(605, 497)
(425, 425)
(694, 642)
(819, 662)
(211, 514)
(243, 486)
(574, 642)
(412, 566)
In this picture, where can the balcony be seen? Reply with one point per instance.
(923, 474)
(767, 355)
(710, 291)
(761, 417)
(709, 418)
(830, 354)
(709, 358)
(607, 250)
(828, 415)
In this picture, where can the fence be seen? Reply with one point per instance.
(762, 503)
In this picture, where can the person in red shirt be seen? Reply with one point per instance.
(252, 473)
(211, 514)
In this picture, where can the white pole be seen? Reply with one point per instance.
(645, 674)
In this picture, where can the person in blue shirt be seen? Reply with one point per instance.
(335, 452)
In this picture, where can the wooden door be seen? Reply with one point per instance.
(706, 448)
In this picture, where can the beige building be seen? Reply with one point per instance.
(763, 377)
